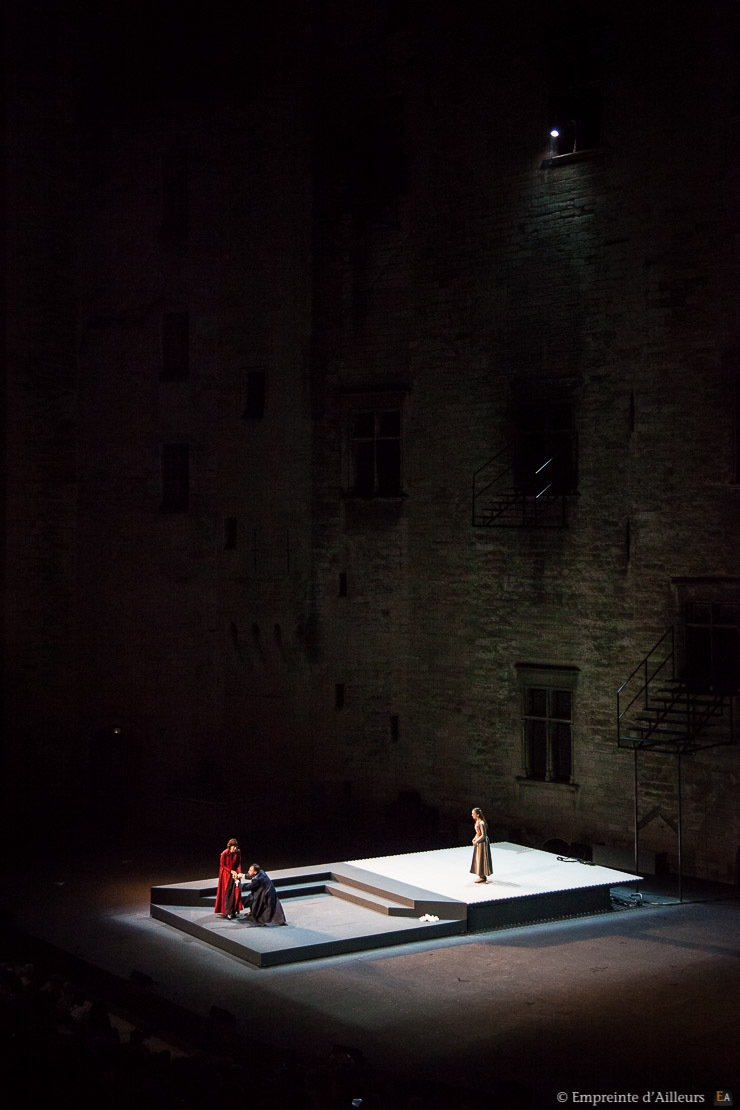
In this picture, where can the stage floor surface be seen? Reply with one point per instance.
(362, 904)
(518, 872)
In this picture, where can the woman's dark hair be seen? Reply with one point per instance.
(478, 812)
(233, 841)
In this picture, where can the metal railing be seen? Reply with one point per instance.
(509, 495)
(659, 710)
(661, 656)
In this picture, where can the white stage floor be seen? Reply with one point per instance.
(517, 871)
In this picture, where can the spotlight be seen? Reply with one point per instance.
(554, 134)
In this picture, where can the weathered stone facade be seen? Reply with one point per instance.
(375, 225)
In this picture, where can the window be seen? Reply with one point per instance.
(376, 453)
(175, 477)
(547, 695)
(230, 533)
(175, 347)
(254, 408)
(397, 16)
(736, 423)
(735, 86)
(175, 189)
(712, 645)
(575, 52)
(372, 444)
(545, 457)
(548, 733)
(377, 153)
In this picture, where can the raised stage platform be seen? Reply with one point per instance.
(363, 904)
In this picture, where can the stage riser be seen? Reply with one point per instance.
(338, 890)
(388, 902)
(172, 896)
(280, 957)
(205, 894)
(360, 905)
(418, 902)
(378, 889)
(554, 906)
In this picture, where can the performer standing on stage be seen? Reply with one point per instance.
(481, 865)
(261, 898)
(228, 898)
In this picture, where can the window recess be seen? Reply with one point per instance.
(575, 52)
(547, 713)
(529, 481)
(175, 463)
(373, 445)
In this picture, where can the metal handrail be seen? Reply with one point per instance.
(670, 657)
(518, 493)
(491, 460)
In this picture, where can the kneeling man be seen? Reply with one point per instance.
(260, 898)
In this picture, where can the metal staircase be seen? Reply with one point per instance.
(657, 711)
(660, 712)
(510, 493)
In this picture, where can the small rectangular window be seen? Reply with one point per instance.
(397, 16)
(712, 631)
(548, 733)
(376, 453)
(546, 459)
(254, 408)
(547, 698)
(175, 347)
(575, 51)
(175, 477)
(175, 189)
(377, 147)
(230, 533)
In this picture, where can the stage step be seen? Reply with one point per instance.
(367, 887)
(299, 890)
(293, 889)
(381, 903)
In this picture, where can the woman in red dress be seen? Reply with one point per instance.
(228, 896)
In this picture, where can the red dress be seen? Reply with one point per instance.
(228, 898)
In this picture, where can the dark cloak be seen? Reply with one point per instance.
(261, 898)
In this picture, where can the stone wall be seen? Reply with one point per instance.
(344, 649)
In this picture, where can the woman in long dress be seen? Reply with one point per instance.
(228, 898)
(481, 865)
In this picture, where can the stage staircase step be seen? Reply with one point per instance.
(381, 903)
(300, 890)
(285, 891)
